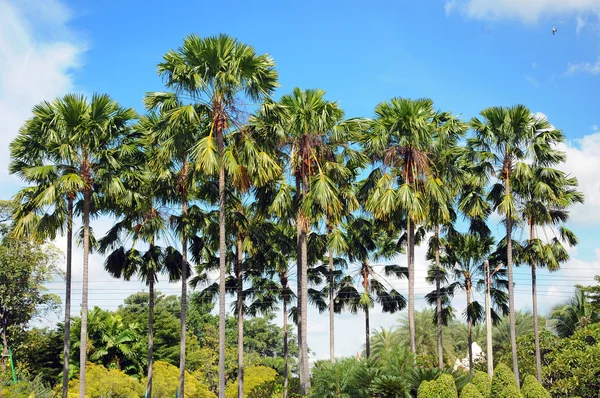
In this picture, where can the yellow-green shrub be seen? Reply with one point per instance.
(254, 376)
(483, 382)
(470, 391)
(165, 381)
(533, 389)
(105, 383)
(503, 378)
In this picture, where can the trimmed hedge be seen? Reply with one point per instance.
(503, 378)
(483, 382)
(470, 391)
(510, 391)
(443, 387)
(533, 389)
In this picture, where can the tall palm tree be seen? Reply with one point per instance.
(545, 196)
(364, 244)
(400, 140)
(218, 72)
(143, 224)
(464, 254)
(82, 142)
(445, 179)
(310, 129)
(504, 139)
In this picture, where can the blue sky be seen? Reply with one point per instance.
(464, 54)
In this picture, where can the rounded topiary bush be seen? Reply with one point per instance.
(445, 387)
(427, 389)
(483, 382)
(510, 391)
(533, 389)
(470, 391)
(503, 378)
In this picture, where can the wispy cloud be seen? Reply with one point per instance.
(580, 24)
(527, 11)
(585, 67)
(39, 52)
(532, 80)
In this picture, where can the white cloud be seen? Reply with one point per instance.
(580, 24)
(526, 11)
(532, 80)
(583, 162)
(38, 53)
(534, 65)
(585, 67)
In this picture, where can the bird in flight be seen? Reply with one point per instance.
(554, 30)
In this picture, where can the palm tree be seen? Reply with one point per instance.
(464, 254)
(504, 139)
(365, 243)
(116, 342)
(545, 194)
(310, 128)
(218, 72)
(400, 140)
(42, 223)
(82, 142)
(443, 185)
(142, 224)
(574, 313)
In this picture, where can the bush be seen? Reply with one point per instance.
(483, 382)
(510, 391)
(446, 387)
(470, 391)
(443, 387)
(254, 377)
(503, 378)
(427, 389)
(165, 381)
(24, 389)
(533, 389)
(333, 379)
(120, 386)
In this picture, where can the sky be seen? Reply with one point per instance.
(464, 54)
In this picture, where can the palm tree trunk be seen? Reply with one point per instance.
(222, 265)
(285, 346)
(438, 299)
(469, 329)
(511, 288)
(536, 324)
(150, 331)
(411, 285)
(367, 333)
(184, 276)
(67, 337)
(488, 321)
(303, 304)
(299, 274)
(84, 295)
(240, 316)
(331, 308)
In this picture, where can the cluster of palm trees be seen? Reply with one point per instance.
(249, 185)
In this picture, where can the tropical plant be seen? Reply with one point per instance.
(470, 391)
(217, 73)
(401, 139)
(79, 141)
(483, 382)
(464, 255)
(573, 314)
(533, 389)
(503, 382)
(505, 138)
(365, 244)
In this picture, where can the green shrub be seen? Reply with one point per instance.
(443, 387)
(470, 391)
(483, 382)
(446, 387)
(121, 385)
(503, 377)
(427, 389)
(165, 381)
(254, 377)
(510, 391)
(533, 389)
